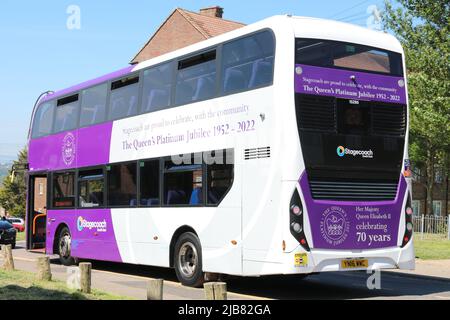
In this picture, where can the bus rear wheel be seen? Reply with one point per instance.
(188, 260)
(64, 247)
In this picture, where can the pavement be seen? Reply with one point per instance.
(439, 269)
(431, 280)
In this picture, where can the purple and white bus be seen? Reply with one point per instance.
(293, 138)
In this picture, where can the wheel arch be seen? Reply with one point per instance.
(56, 236)
(175, 236)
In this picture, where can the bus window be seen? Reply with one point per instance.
(66, 114)
(124, 98)
(157, 88)
(43, 120)
(93, 105)
(327, 53)
(149, 179)
(63, 190)
(248, 62)
(122, 184)
(91, 188)
(220, 178)
(196, 78)
(183, 184)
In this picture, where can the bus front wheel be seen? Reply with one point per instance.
(64, 247)
(188, 260)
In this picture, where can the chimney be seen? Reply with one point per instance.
(215, 12)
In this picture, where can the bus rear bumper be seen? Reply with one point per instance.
(320, 260)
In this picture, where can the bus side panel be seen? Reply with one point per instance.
(92, 232)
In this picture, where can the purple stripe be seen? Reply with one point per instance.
(336, 224)
(88, 243)
(338, 83)
(93, 82)
(83, 147)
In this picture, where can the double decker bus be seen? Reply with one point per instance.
(278, 148)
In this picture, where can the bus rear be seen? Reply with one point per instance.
(352, 207)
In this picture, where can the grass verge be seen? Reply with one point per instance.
(432, 249)
(21, 285)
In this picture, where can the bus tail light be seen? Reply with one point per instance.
(408, 222)
(296, 220)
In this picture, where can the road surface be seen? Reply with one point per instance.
(130, 281)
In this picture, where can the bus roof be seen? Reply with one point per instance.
(302, 27)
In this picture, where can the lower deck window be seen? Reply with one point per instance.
(122, 184)
(149, 181)
(91, 188)
(63, 190)
(183, 184)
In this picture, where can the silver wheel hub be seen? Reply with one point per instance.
(64, 246)
(188, 259)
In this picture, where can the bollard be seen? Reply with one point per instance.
(155, 289)
(44, 271)
(85, 281)
(215, 291)
(422, 220)
(7, 255)
(448, 227)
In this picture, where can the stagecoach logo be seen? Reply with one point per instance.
(68, 149)
(82, 223)
(334, 226)
(342, 151)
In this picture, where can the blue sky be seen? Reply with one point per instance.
(38, 52)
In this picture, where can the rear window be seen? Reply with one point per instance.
(324, 53)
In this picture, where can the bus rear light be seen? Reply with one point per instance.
(296, 210)
(296, 227)
(296, 220)
(408, 223)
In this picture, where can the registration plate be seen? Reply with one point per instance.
(354, 263)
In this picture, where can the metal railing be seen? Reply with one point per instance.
(432, 227)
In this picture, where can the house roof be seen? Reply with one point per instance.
(207, 26)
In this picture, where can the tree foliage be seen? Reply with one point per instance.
(422, 26)
(13, 193)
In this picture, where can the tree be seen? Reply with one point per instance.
(13, 193)
(422, 26)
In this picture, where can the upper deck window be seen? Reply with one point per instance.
(66, 114)
(196, 78)
(325, 53)
(93, 105)
(157, 87)
(43, 120)
(124, 98)
(248, 62)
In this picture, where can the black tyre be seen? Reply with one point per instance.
(188, 260)
(64, 247)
